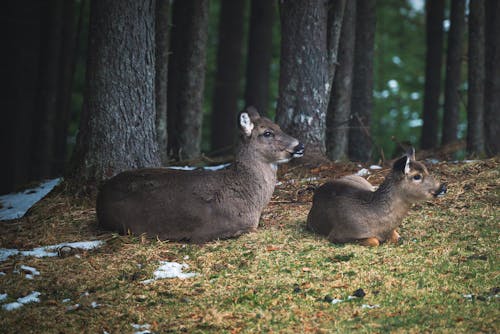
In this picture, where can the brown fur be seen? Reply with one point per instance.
(201, 205)
(349, 209)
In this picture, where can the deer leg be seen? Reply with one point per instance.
(370, 242)
(393, 237)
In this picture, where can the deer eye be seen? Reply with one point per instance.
(268, 134)
(417, 177)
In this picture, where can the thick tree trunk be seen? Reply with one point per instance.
(117, 130)
(19, 85)
(475, 104)
(259, 54)
(228, 76)
(187, 77)
(339, 108)
(65, 81)
(492, 79)
(433, 59)
(336, 9)
(43, 148)
(304, 83)
(360, 141)
(453, 70)
(161, 79)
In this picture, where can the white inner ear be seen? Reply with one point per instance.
(407, 166)
(246, 124)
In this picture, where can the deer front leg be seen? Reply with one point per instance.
(393, 237)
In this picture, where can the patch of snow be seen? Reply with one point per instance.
(95, 305)
(3, 296)
(363, 172)
(49, 251)
(369, 306)
(66, 300)
(170, 270)
(2, 273)
(73, 307)
(12, 306)
(32, 270)
(31, 298)
(374, 167)
(15, 205)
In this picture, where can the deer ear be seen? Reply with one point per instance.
(410, 153)
(402, 165)
(245, 123)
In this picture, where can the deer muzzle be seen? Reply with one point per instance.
(441, 190)
(298, 150)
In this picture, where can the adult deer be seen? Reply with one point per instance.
(201, 205)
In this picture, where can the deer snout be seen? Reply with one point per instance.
(298, 150)
(441, 190)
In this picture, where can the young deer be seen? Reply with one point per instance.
(349, 209)
(201, 205)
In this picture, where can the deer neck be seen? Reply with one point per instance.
(388, 202)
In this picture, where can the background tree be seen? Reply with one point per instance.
(304, 83)
(228, 76)
(475, 93)
(453, 71)
(492, 78)
(336, 9)
(339, 107)
(434, 34)
(161, 62)
(117, 130)
(259, 54)
(187, 77)
(360, 141)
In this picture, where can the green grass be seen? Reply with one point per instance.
(275, 280)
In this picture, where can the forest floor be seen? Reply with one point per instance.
(443, 277)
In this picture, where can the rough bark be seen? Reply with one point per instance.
(161, 79)
(19, 85)
(492, 79)
(433, 60)
(228, 75)
(339, 107)
(336, 9)
(453, 70)
(476, 73)
(48, 91)
(360, 141)
(117, 130)
(259, 54)
(304, 83)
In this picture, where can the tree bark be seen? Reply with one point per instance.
(336, 9)
(161, 79)
(259, 54)
(492, 79)
(453, 70)
(228, 76)
(360, 141)
(339, 108)
(476, 74)
(117, 130)
(433, 59)
(304, 83)
(19, 86)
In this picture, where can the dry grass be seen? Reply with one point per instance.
(274, 280)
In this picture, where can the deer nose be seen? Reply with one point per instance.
(441, 191)
(298, 150)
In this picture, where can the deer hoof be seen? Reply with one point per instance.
(370, 242)
(394, 237)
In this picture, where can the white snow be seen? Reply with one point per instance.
(374, 167)
(95, 305)
(32, 270)
(212, 168)
(49, 251)
(170, 270)
(31, 298)
(15, 205)
(3, 296)
(363, 172)
(141, 329)
(66, 300)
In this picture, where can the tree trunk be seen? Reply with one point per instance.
(475, 105)
(187, 79)
(43, 148)
(19, 86)
(434, 35)
(492, 79)
(65, 81)
(304, 83)
(259, 54)
(117, 130)
(228, 76)
(453, 66)
(336, 9)
(339, 108)
(161, 79)
(360, 141)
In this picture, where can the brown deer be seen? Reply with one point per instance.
(351, 210)
(201, 205)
